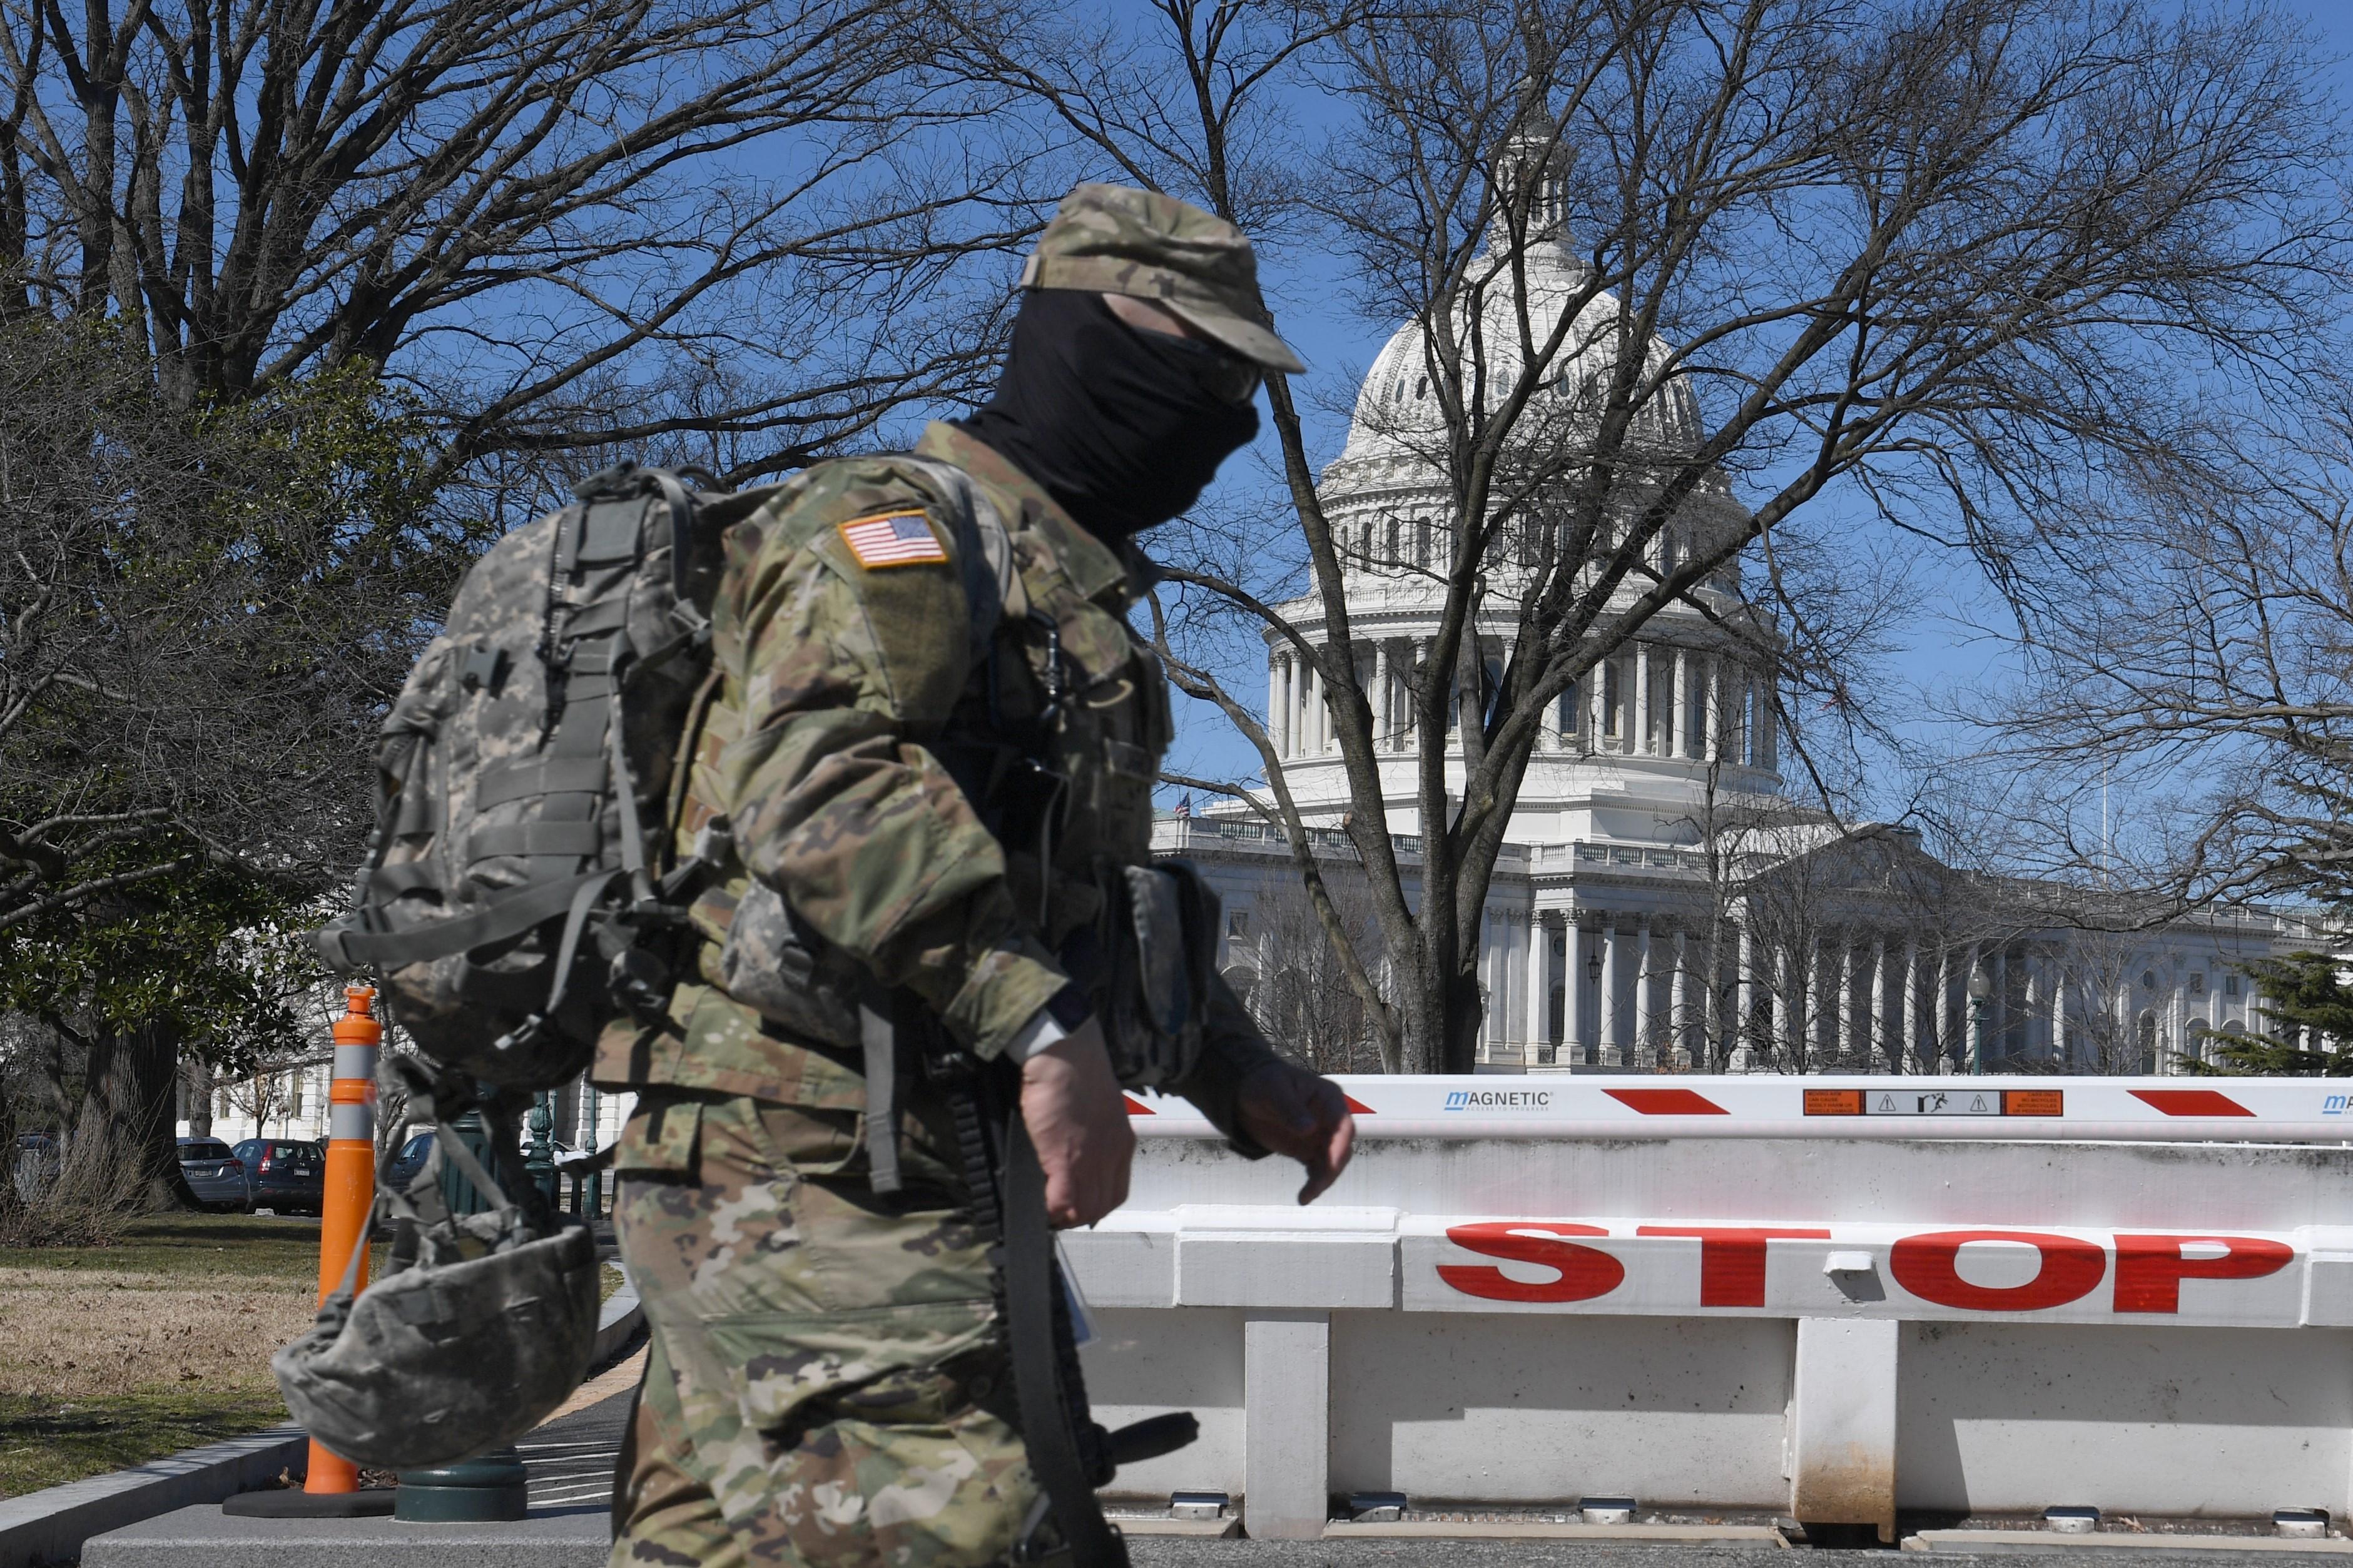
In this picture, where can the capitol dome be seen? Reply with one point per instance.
(1627, 756)
(1398, 415)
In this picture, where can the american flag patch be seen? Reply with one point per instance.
(902, 539)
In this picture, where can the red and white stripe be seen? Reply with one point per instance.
(1827, 1106)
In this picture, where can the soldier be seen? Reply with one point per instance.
(928, 798)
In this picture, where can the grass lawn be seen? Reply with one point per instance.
(114, 1355)
(111, 1356)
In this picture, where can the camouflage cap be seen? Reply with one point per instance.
(1117, 240)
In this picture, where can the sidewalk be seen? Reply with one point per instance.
(571, 1464)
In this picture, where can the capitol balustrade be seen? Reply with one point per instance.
(1184, 835)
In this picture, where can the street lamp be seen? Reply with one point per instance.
(1980, 992)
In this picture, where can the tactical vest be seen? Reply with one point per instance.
(1055, 743)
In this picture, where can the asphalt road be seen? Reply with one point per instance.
(1166, 1552)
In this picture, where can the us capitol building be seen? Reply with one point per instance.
(1657, 888)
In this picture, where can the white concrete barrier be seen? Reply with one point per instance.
(1828, 1297)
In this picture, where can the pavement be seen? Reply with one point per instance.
(571, 1461)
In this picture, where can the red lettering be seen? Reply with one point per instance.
(1928, 1267)
(2150, 1268)
(1731, 1259)
(1585, 1271)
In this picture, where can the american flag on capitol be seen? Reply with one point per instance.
(902, 539)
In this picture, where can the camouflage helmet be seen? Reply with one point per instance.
(1115, 239)
(450, 1356)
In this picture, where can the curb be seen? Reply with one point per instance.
(1961, 1542)
(50, 1525)
(616, 1323)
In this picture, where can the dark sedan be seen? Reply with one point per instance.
(216, 1176)
(402, 1168)
(289, 1175)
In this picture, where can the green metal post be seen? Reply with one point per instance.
(491, 1487)
(591, 1107)
(539, 1164)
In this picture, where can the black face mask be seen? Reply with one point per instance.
(1124, 429)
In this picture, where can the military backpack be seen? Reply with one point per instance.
(520, 891)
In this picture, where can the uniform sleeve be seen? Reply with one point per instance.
(1231, 1049)
(841, 670)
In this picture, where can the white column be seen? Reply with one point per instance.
(1326, 730)
(1880, 1031)
(1744, 718)
(1380, 694)
(1641, 738)
(1297, 687)
(1917, 1058)
(1805, 995)
(1322, 712)
(1286, 1424)
(1965, 1039)
(1846, 999)
(1572, 1003)
(1781, 992)
(1607, 933)
(2059, 1009)
(1998, 1010)
(1743, 988)
(1942, 1013)
(1711, 709)
(2177, 1010)
(1680, 1006)
(1678, 737)
(1596, 711)
(1284, 719)
(1645, 1008)
(1538, 990)
(1548, 736)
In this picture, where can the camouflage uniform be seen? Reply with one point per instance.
(827, 1384)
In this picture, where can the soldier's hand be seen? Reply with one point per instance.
(1289, 1111)
(1078, 1122)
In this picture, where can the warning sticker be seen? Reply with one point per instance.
(1935, 1102)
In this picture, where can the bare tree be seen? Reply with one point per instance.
(1295, 989)
(720, 226)
(2185, 724)
(1936, 262)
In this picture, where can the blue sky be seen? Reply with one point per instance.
(1942, 648)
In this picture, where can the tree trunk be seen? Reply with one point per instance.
(198, 1086)
(134, 1078)
(1465, 1010)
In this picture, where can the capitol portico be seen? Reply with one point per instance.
(1659, 903)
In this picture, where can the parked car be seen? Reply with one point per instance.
(402, 1168)
(216, 1176)
(397, 1171)
(289, 1174)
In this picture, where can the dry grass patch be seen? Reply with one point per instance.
(114, 1355)
(89, 1332)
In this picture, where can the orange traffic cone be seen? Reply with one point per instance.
(349, 1184)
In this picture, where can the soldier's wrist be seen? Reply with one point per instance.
(1064, 1014)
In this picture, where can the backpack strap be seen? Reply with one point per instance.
(345, 949)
